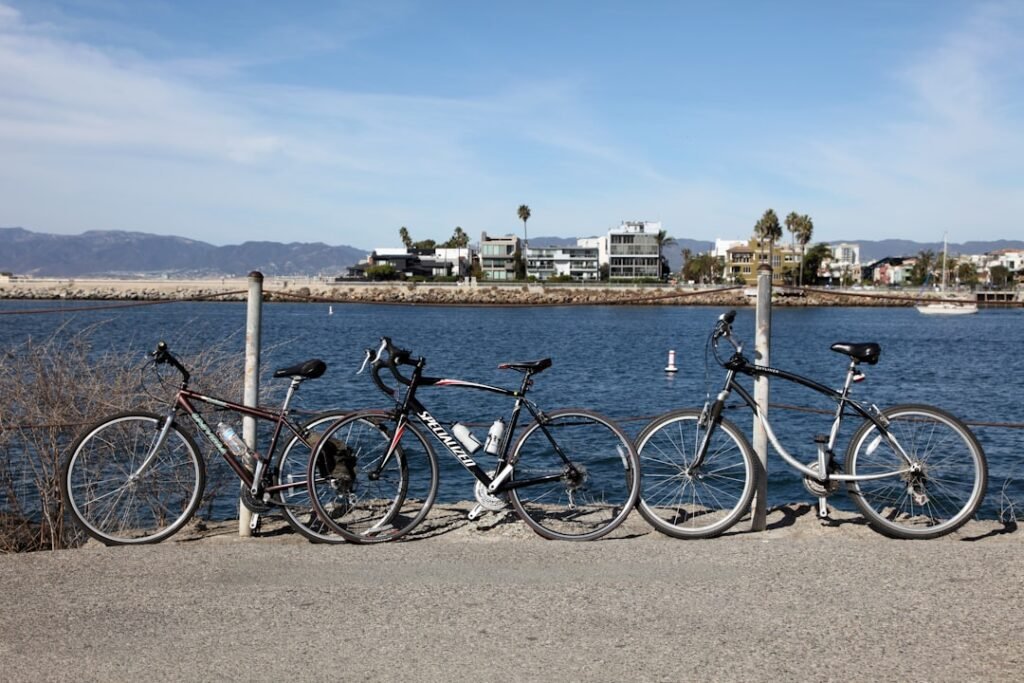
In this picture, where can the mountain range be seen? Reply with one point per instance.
(114, 253)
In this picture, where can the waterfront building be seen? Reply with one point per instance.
(844, 264)
(891, 271)
(579, 262)
(457, 260)
(742, 260)
(498, 257)
(633, 250)
(599, 243)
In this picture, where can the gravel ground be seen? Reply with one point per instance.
(490, 601)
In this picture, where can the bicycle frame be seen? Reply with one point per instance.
(184, 401)
(738, 364)
(499, 483)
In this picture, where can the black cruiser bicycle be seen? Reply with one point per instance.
(569, 474)
(914, 471)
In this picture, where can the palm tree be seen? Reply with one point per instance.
(768, 230)
(524, 215)
(793, 225)
(459, 239)
(804, 231)
(663, 239)
(403, 234)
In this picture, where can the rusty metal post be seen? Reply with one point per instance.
(251, 394)
(762, 347)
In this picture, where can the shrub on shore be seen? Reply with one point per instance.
(50, 390)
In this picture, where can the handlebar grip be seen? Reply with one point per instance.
(728, 317)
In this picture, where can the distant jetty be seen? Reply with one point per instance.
(424, 293)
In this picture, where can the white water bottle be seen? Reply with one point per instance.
(236, 445)
(494, 435)
(466, 438)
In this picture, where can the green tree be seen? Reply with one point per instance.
(702, 269)
(662, 239)
(812, 262)
(384, 271)
(999, 276)
(967, 274)
(803, 234)
(524, 215)
(424, 245)
(767, 229)
(403, 234)
(923, 267)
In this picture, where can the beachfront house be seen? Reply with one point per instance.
(578, 262)
(633, 250)
(498, 257)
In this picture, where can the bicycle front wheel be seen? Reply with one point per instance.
(291, 477)
(936, 491)
(359, 492)
(681, 499)
(576, 476)
(122, 486)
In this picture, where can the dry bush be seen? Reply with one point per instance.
(50, 390)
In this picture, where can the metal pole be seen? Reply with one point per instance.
(253, 323)
(762, 346)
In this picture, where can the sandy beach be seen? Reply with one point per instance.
(491, 601)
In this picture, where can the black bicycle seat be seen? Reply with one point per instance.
(310, 369)
(867, 352)
(527, 365)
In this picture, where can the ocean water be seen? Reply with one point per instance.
(607, 358)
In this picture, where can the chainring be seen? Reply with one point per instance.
(817, 488)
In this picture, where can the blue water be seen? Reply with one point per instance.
(610, 359)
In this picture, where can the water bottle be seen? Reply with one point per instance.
(466, 438)
(494, 435)
(236, 445)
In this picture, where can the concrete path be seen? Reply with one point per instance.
(799, 602)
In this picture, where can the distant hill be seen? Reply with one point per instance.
(126, 254)
(108, 253)
(874, 250)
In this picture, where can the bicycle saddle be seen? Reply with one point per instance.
(864, 352)
(527, 365)
(311, 369)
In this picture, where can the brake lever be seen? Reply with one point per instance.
(371, 358)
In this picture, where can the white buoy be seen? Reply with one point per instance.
(671, 362)
(330, 310)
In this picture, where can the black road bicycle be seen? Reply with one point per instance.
(914, 471)
(570, 474)
(138, 477)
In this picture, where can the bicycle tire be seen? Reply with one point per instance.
(361, 507)
(699, 504)
(116, 507)
(943, 492)
(297, 508)
(580, 506)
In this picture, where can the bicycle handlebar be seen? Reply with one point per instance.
(163, 355)
(390, 356)
(723, 328)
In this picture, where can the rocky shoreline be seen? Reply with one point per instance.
(450, 294)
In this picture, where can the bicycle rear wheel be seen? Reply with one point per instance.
(359, 496)
(584, 495)
(937, 492)
(113, 498)
(700, 502)
(298, 509)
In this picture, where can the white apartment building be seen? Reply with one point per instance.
(845, 260)
(633, 250)
(579, 262)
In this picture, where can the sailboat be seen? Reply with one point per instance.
(947, 307)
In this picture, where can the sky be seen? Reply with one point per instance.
(341, 122)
